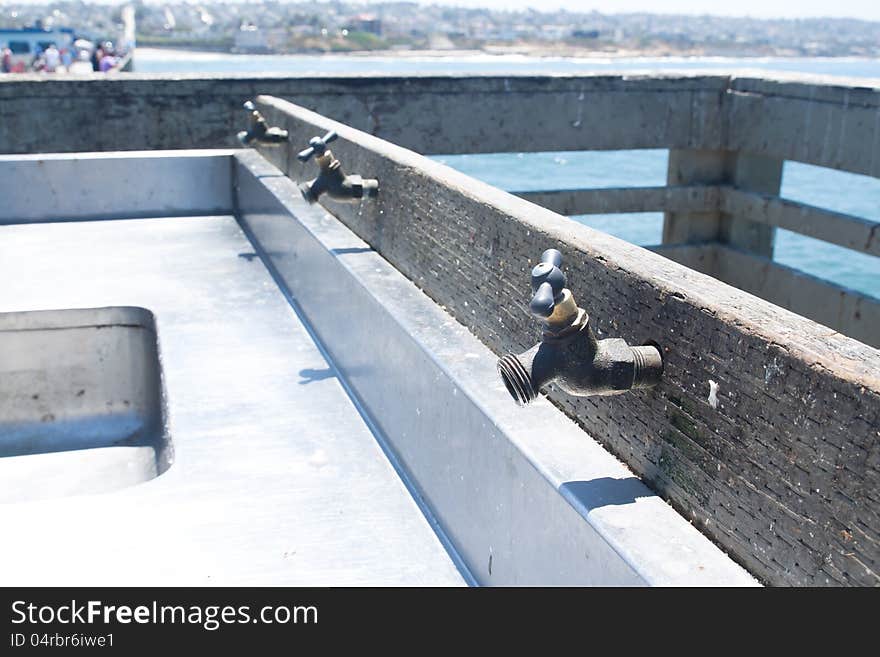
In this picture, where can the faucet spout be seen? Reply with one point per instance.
(569, 354)
(259, 130)
(331, 180)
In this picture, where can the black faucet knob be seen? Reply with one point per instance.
(548, 281)
(317, 146)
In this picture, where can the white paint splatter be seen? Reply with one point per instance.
(713, 394)
(771, 370)
(580, 113)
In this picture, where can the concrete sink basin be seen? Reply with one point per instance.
(81, 402)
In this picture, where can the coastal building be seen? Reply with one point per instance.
(251, 39)
(369, 23)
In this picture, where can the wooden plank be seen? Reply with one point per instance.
(836, 227)
(693, 198)
(428, 114)
(700, 257)
(828, 122)
(846, 311)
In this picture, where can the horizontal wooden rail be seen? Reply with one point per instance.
(835, 227)
(845, 310)
(842, 309)
(838, 228)
(831, 123)
(694, 198)
(429, 114)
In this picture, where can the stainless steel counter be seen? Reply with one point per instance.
(276, 478)
(327, 422)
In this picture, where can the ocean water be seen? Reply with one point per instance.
(843, 192)
(154, 60)
(834, 190)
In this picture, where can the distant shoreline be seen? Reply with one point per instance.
(539, 53)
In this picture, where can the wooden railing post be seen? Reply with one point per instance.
(753, 173)
(694, 167)
(756, 173)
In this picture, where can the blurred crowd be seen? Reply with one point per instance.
(76, 59)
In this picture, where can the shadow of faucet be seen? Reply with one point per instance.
(604, 491)
(310, 375)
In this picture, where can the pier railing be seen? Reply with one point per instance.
(722, 201)
(727, 136)
(693, 236)
(764, 430)
(787, 441)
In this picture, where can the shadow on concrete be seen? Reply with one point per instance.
(604, 491)
(309, 375)
(351, 249)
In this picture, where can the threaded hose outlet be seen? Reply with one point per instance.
(371, 188)
(306, 190)
(648, 364)
(517, 380)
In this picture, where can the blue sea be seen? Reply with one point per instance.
(843, 192)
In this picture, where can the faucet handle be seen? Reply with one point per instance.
(317, 145)
(548, 281)
(249, 106)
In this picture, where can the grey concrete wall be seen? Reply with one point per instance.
(829, 122)
(450, 114)
(781, 470)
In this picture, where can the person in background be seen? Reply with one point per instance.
(6, 60)
(97, 53)
(66, 58)
(108, 61)
(52, 58)
(39, 62)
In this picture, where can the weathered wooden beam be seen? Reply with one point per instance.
(828, 122)
(834, 123)
(834, 306)
(570, 202)
(835, 227)
(699, 257)
(429, 114)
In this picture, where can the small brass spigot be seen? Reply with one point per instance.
(331, 180)
(259, 131)
(569, 354)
